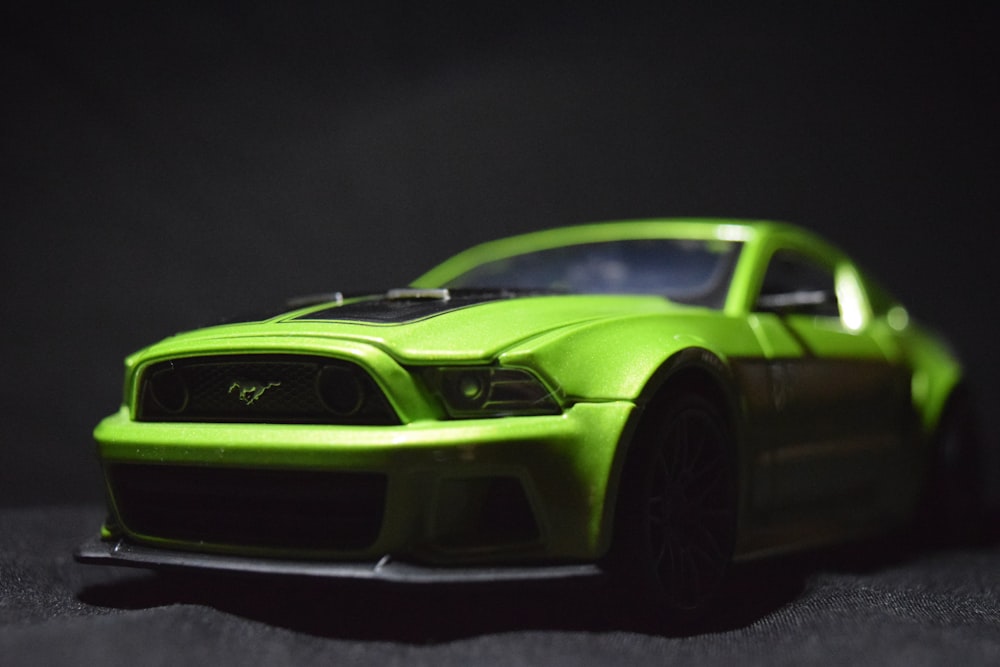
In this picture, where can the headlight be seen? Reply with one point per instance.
(488, 391)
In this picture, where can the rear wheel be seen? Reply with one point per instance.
(952, 509)
(679, 519)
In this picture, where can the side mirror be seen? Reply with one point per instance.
(800, 302)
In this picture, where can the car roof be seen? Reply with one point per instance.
(723, 229)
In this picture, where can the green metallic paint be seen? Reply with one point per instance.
(564, 462)
(615, 359)
(603, 358)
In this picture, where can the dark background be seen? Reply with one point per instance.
(167, 167)
(172, 166)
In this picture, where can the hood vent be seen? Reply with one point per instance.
(410, 304)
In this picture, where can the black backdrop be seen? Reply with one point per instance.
(165, 167)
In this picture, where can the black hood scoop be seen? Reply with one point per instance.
(399, 306)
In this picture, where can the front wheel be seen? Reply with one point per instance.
(679, 519)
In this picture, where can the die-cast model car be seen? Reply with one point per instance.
(657, 398)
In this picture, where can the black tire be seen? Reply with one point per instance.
(952, 510)
(678, 511)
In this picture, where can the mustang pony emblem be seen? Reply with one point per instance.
(250, 390)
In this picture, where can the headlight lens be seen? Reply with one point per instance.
(489, 391)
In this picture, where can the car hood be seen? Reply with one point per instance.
(423, 328)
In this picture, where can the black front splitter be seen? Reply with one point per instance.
(124, 553)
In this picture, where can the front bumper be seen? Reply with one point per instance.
(442, 481)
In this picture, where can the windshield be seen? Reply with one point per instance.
(685, 270)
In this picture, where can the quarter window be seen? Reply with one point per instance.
(795, 284)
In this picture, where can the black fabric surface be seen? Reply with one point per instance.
(870, 604)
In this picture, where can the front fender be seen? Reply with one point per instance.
(621, 359)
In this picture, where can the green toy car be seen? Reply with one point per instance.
(657, 398)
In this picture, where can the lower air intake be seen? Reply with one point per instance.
(253, 508)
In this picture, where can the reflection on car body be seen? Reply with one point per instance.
(654, 398)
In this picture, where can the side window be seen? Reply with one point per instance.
(795, 284)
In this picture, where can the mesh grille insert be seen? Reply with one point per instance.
(256, 508)
(262, 388)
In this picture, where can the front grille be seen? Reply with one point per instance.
(252, 508)
(262, 388)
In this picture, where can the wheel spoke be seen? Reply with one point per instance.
(706, 482)
(689, 508)
(657, 510)
(706, 541)
(688, 448)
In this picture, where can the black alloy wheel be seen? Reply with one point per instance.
(681, 508)
(952, 510)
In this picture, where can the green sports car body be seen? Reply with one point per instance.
(662, 396)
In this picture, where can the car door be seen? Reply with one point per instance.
(828, 428)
